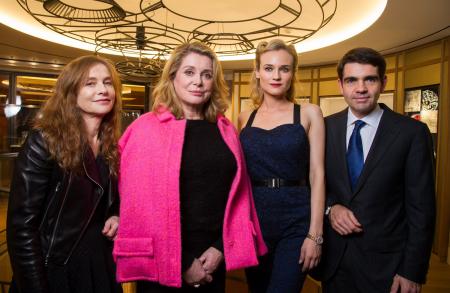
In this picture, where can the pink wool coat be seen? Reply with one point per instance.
(148, 244)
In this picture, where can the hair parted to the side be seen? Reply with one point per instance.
(363, 56)
(61, 122)
(164, 91)
(257, 93)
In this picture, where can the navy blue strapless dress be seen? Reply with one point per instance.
(284, 212)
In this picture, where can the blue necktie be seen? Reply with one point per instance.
(355, 155)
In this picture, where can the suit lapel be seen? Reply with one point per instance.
(386, 134)
(339, 134)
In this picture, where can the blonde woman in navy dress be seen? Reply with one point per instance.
(284, 148)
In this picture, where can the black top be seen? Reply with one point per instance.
(208, 168)
(280, 152)
(91, 267)
(296, 116)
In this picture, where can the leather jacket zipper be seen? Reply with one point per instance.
(90, 216)
(58, 185)
(52, 239)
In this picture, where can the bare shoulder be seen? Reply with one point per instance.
(312, 111)
(243, 118)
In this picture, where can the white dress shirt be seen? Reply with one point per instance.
(368, 131)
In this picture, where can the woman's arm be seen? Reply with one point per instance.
(26, 207)
(316, 136)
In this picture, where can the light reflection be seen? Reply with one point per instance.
(12, 109)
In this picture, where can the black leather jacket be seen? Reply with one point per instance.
(48, 211)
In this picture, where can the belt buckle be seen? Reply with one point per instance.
(274, 183)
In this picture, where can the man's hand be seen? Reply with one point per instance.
(403, 285)
(344, 221)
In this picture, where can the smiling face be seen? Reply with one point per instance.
(96, 95)
(275, 73)
(193, 82)
(361, 87)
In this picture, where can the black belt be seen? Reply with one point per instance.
(278, 182)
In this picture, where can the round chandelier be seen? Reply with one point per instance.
(148, 28)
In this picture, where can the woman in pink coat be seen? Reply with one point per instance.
(187, 212)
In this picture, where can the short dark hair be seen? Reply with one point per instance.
(363, 56)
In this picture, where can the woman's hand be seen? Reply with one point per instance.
(211, 259)
(310, 254)
(196, 275)
(111, 226)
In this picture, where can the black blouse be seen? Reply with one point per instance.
(208, 168)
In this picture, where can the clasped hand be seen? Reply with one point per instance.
(200, 272)
(344, 221)
(110, 228)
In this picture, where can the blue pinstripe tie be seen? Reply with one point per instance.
(355, 155)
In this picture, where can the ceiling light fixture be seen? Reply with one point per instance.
(110, 14)
(233, 28)
(162, 25)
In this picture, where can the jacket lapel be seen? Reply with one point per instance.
(338, 135)
(90, 167)
(386, 134)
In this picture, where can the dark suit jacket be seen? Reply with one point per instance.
(394, 199)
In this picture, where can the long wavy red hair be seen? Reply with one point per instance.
(61, 122)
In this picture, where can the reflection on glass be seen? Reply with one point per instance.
(133, 96)
(31, 93)
(34, 90)
(4, 92)
(128, 116)
(7, 161)
(133, 101)
(7, 155)
(12, 109)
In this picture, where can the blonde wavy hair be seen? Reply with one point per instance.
(257, 94)
(164, 91)
(61, 122)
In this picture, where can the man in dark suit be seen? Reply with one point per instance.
(380, 188)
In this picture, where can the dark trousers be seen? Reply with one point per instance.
(284, 216)
(343, 280)
(279, 270)
(354, 276)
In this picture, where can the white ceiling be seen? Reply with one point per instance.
(403, 24)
